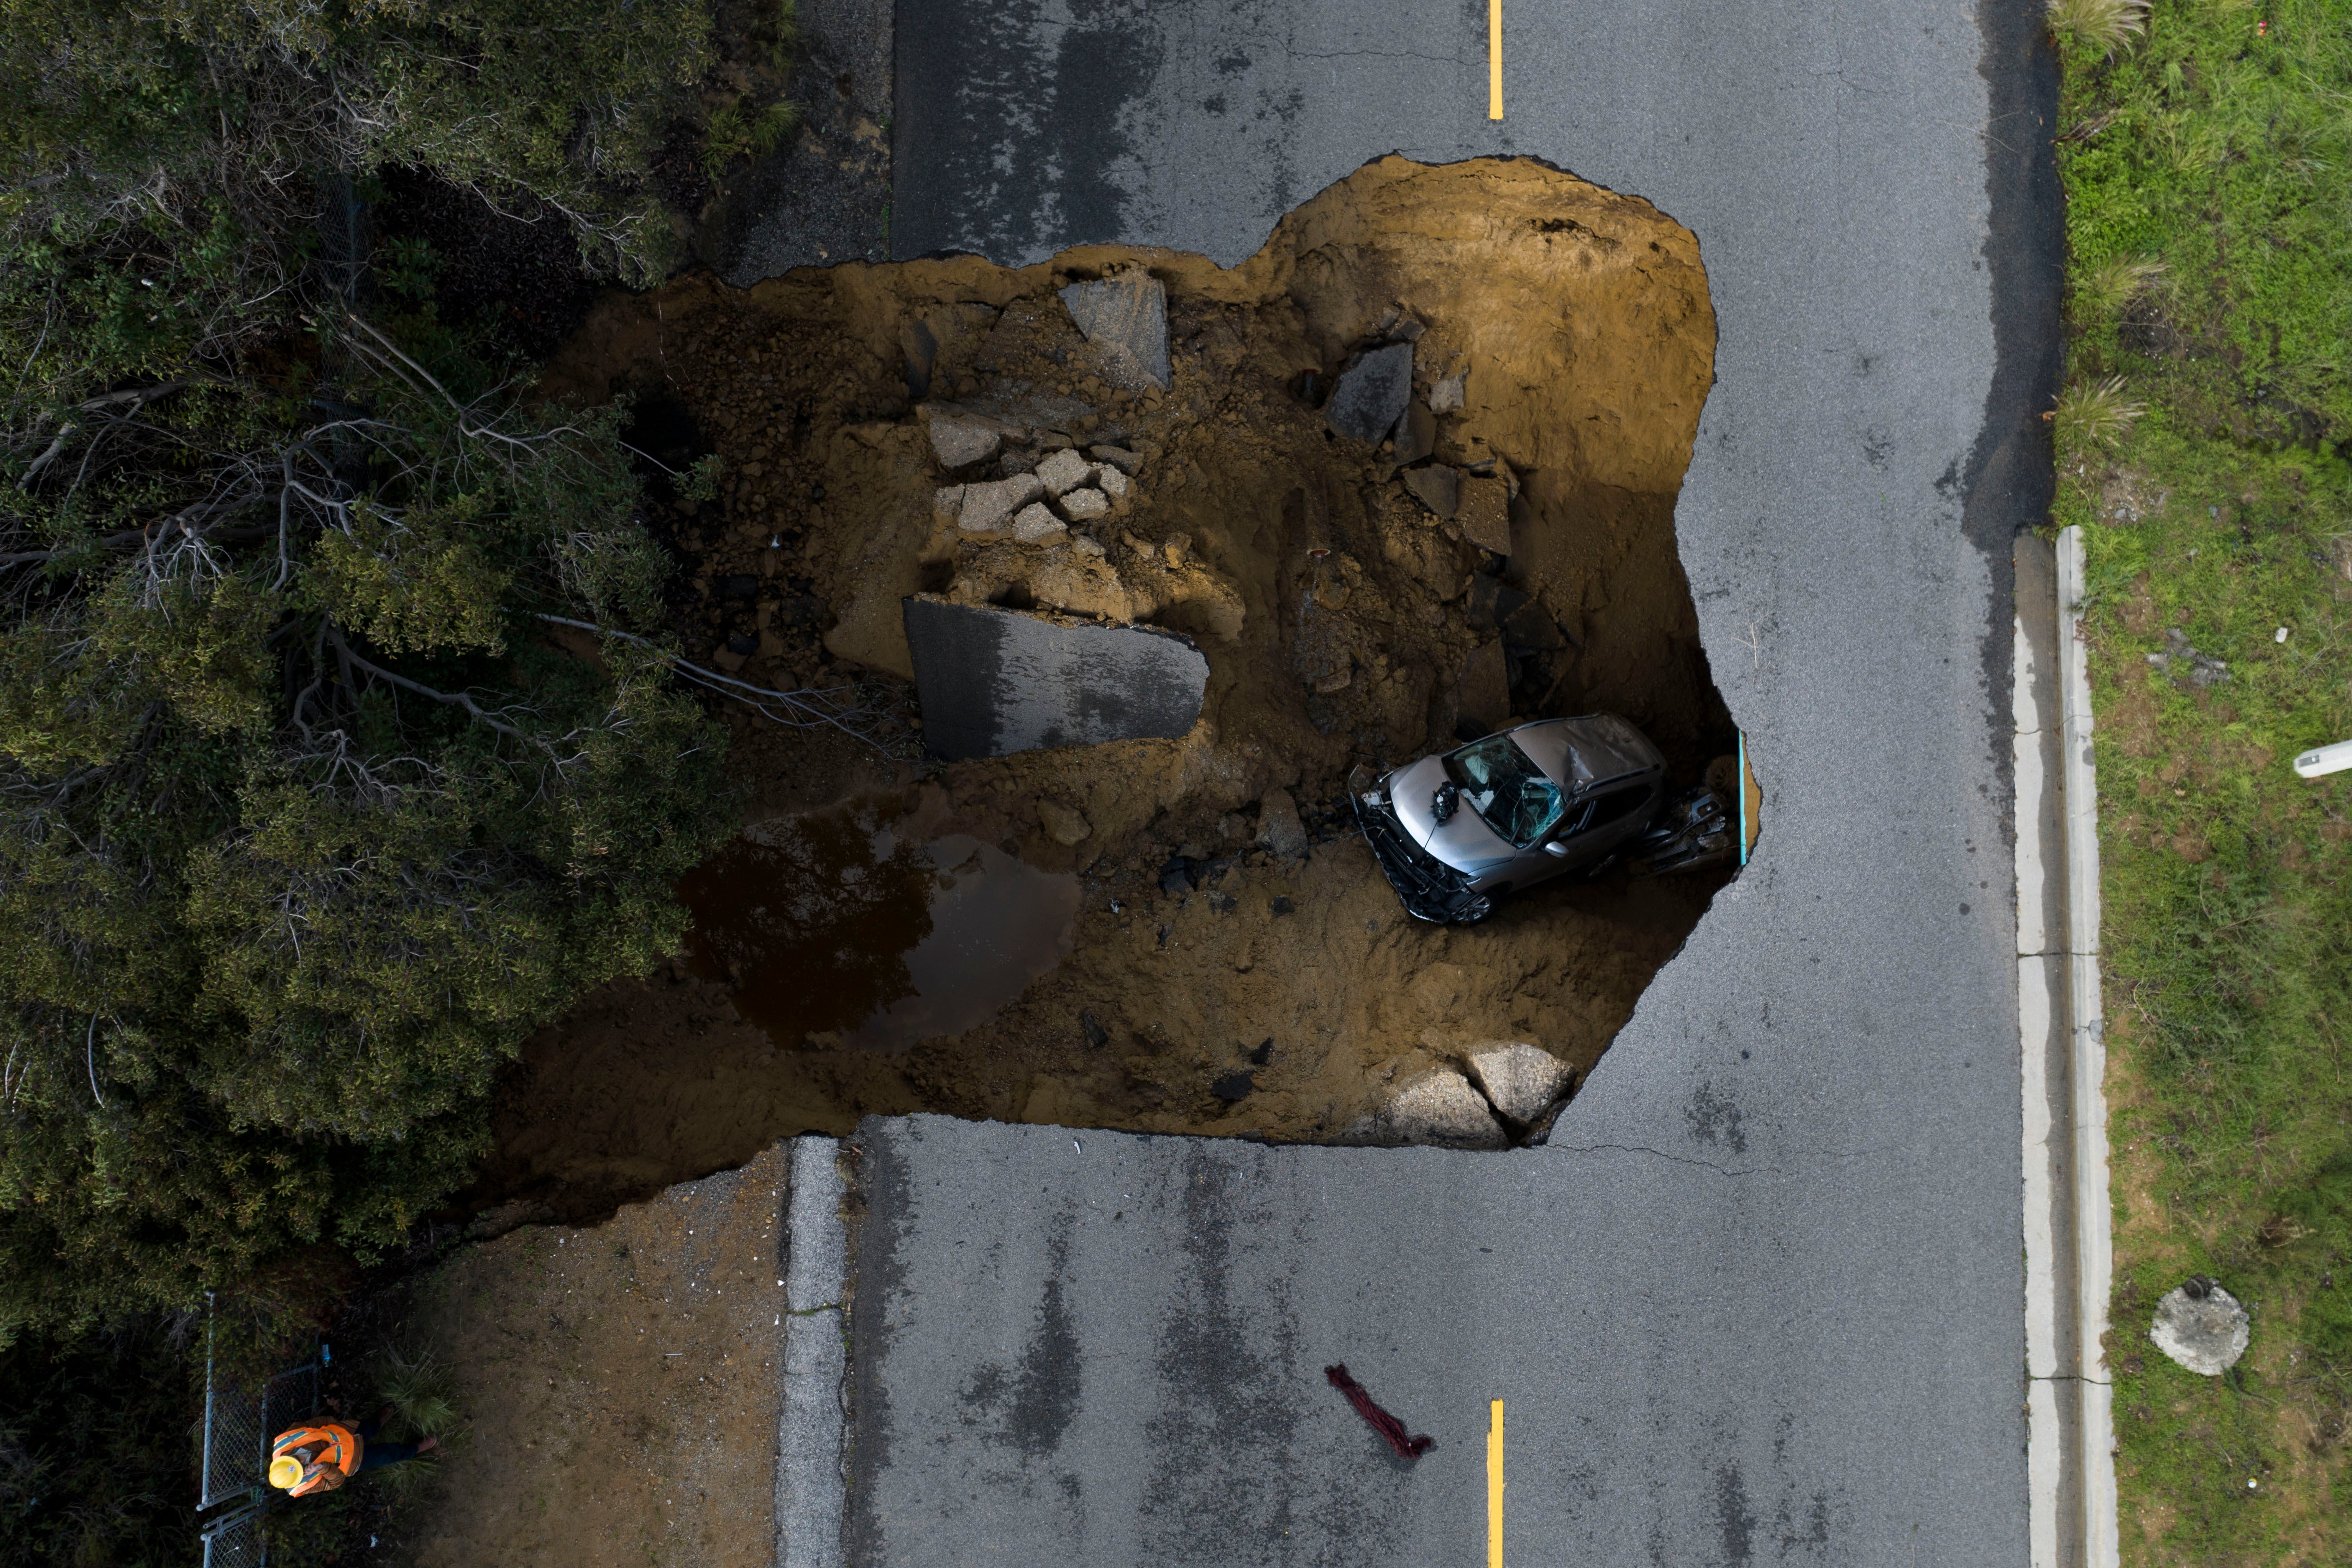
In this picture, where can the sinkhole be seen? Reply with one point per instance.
(1173, 933)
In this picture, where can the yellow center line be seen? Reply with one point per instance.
(1494, 69)
(1495, 1477)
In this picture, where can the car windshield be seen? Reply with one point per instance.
(1508, 791)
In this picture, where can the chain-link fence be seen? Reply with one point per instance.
(239, 1424)
(235, 1540)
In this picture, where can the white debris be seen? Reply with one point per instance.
(1035, 524)
(1438, 1108)
(1521, 1079)
(1080, 505)
(959, 442)
(1445, 397)
(2202, 1327)
(987, 507)
(1441, 1108)
(1064, 470)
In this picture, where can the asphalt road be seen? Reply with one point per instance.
(1759, 1301)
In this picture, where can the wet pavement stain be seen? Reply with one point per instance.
(826, 925)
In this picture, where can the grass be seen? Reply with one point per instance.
(2207, 165)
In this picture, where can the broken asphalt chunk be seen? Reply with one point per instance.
(1417, 434)
(1485, 514)
(1372, 394)
(1436, 487)
(994, 681)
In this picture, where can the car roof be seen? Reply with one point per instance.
(1591, 749)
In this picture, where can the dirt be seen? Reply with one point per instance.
(1129, 947)
(620, 1386)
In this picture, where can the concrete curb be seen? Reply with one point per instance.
(810, 1485)
(2067, 1220)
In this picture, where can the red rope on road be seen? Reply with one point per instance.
(1379, 1420)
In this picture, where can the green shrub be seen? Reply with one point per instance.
(302, 827)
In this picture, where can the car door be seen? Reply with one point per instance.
(1605, 817)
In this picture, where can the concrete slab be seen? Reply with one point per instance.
(994, 680)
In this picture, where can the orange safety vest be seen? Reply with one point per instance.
(337, 1460)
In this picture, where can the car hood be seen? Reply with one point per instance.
(1464, 841)
(1581, 752)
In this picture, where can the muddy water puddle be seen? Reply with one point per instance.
(832, 930)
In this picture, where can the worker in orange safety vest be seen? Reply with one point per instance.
(324, 1455)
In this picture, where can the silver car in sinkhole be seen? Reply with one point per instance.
(1456, 831)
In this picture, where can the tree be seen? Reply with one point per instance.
(303, 826)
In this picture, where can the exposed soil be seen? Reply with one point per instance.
(1204, 983)
(620, 1386)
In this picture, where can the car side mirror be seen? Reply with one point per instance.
(1554, 846)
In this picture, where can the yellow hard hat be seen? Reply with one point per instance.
(285, 1472)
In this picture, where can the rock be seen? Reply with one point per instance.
(1234, 1087)
(1439, 1108)
(1278, 827)
(947, 502)
(1529, 629)
(1484, 692)
(1521, 1080)
(1436, 487)
(2202, 1327)
(1446, 397)
(1063, 470)
(1065, 825)
(1119, 457)
(1125, 319)
(1112, 483)
(1485, 514)
(920, 346)
(1417, 434)
(1492, 602)
(1034, 524)
(1079, 505)
(957, 443)
(987, 508)
(1372, 394)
